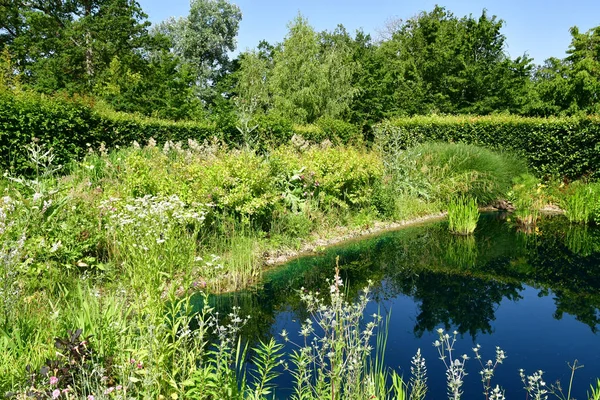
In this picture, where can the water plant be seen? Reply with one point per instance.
(528, 197)
(582, 201)
(463, 215)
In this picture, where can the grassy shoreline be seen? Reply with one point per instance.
(107, 255)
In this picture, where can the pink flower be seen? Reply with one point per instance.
(119, 387)
(56, 393)
(90, 397)
(109, 390)
(53, 380)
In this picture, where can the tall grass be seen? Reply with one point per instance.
(582, 202)
(463, 215)
(108, 258)
(439, 171)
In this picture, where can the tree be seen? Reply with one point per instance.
(203, 38)
(68, 44)
(311, 78)
(570, 85)
(438, 62)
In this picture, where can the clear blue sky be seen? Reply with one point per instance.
(538, 27)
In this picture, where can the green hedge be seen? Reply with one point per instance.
(72, 127)
(567, 147)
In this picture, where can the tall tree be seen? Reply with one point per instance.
(311, 78)
(438, 62)
(68, 44)
(570, 85)
(203, 38)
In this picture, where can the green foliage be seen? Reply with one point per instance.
(68, 45)
(309, 81)
(463, 215)
(570, 86)
(594, 391)
(440, 171)
(528, 197)
(203, 38)
(551, 147)
(582, 202)
(71, 128)
(437, 62)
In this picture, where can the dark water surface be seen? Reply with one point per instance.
(535, 295)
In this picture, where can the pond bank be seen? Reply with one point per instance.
(342, 234)
(318, 242)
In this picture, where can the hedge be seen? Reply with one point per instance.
(71, 127)
(565, 147)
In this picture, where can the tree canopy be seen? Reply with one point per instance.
(433, 62)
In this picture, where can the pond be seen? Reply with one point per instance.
(536, 295)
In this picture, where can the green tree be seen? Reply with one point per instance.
(69, 44)
(311, 77)
(570, 85)
(203, 38)
(438, 62)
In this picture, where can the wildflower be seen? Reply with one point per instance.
(53, 380)
(119, 387)
(55, 393)
(91, 397)
(56, 246)
(109, 390)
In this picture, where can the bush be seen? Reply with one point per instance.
(552, 146)
(73, 126)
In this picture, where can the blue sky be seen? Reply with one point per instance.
(538, 27)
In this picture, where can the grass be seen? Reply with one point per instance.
(463, 215)
(582, 202)
(440, 171)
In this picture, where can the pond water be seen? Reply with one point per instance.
(535, 295)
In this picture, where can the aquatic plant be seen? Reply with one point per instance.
(581, 203)
(528, 197)
(463, 215)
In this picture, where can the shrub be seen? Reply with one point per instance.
(71, 127)
(552, 146)
(338, 130)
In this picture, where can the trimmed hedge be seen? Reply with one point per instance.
(567, 147)
(72, 127)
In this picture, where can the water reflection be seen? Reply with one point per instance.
(454, 281)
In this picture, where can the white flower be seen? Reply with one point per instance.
(56, 246)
